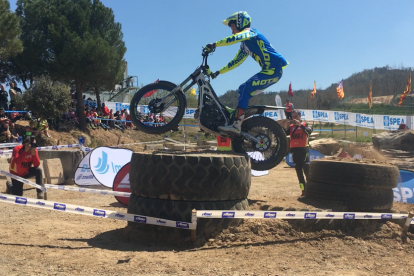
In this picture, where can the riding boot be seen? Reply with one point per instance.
(236, 126)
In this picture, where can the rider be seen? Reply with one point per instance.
(258, 47)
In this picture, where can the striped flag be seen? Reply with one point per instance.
(152, 91)
(340, 90)
(406, 92)
(313, 93)
(369, 98)
(290, 92)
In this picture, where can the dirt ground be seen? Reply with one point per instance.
(42, 242)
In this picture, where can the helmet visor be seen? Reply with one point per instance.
(232, 17)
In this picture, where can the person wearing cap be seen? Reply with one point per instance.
(288, 109)
(3, 97)
(25, 163)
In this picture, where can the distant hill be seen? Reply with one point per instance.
(386, 81)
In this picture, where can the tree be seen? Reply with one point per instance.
(47, 99)
(75, 40)
(10, 44)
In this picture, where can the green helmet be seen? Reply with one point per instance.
(241, 19)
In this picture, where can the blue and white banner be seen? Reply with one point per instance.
(105, 162)
(248, 214)
(100, 213)
(405, 191)
(83, 174)
(391, 122)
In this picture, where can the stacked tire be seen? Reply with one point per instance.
(169, 186)
(357, 186)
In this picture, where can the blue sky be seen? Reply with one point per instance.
(323, 40)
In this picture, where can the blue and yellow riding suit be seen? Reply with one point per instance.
(258, 47)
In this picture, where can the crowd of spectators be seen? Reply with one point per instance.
(96, 117)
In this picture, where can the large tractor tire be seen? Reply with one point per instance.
(378, 176)
(181, 211)
(355, 198)
(190, 176)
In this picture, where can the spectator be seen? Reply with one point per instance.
(15, 115)
(13, 96)
(42, 125)
(27, 132)
(105, 113)
(13, 133)
(3, 116)
(299, 147)
(128, 118)
(111, 117)
(288, 110)
(5, 134)
(17, 89)
(23, 158)
(3, 98)
(34, 131)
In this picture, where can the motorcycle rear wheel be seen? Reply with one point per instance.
(270, 152)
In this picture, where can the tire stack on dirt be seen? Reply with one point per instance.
(171, 185)
(355, 185)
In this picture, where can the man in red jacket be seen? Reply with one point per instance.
(299, 146)
(23, 157)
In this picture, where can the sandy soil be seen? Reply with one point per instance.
(42, 242)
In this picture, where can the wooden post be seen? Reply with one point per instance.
(45, 195)
(194, 231)
(406, 226)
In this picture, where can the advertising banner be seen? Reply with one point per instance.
(121, 184)
(405, 190)
(83, 174)
(313, 154)
(364, 120)
(391, 122)
(105, 163)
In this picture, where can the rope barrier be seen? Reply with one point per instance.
(88, 211)
(297, 215)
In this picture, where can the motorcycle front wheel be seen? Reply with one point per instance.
(150, 118)
(270, 150)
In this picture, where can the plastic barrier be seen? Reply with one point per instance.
(297, 215)
(24, 180)
(8, 145)
(351, 129)
(7, 152)
(88, 211)
(65, 188)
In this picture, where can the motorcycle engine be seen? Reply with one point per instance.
(211, 116)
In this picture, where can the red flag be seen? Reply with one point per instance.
(369, 98)
(313, 93)
(151, 92)
(406, 92)
(290, 92)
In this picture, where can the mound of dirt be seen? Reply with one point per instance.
(262, 231)
(375, 100)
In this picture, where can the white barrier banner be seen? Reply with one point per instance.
(105, 162)
(297, 215)
(88, 211)
(391, 122)
(21, 179)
